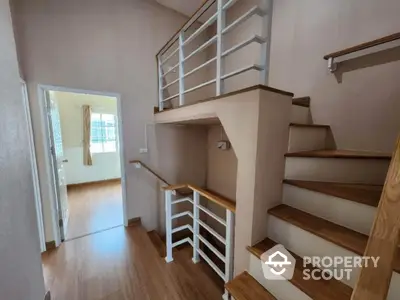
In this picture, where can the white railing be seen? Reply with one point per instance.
(221, 29)
(194, 227)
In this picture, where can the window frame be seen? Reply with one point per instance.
(103, 142)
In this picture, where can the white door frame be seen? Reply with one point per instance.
(48, 161)
(35, 176)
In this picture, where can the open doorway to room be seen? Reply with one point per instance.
(85, 161)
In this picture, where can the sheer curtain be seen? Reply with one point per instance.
(87, 155)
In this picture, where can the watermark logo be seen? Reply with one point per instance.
(337, 267)
(278, 263)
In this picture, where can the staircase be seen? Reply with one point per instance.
(330, 199)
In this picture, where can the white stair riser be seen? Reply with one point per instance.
(304, 243)
(349, 170)
(278, 288)
(334, 209)
(307, 138)
(300, 115)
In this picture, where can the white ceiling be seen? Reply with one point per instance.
(186, 7)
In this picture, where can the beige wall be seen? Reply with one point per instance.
(101, 46)
(181, 157)
(221, 165)
(362, 109)
(221, 173)
(21, 274)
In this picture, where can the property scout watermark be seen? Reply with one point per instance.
(279, 264)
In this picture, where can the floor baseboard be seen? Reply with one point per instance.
(134, 221)
(50, 245)
(87, 184)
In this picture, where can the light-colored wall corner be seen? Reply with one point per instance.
(363, 108)
(221, 174)
(179, 156)
(105, 165)
(221, 165)
(21, 269)
(98, 46)
(260, 140)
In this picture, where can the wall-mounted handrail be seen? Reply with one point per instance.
(228, 223)
(377, 42)
(224, 202)
(150, 170)
(373, 283)
(386, 39)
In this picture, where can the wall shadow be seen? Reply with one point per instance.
(366, 61)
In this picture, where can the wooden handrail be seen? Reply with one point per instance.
(380, 41)
(373, 283)
(226, 203)
(150, 170)
(174, 187)
(193, 18)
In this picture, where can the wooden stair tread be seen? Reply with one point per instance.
(361, 193)
(245, 287)
(339, 235)
(302, 101)
(340, 154)
(315, 289)
(309, 125)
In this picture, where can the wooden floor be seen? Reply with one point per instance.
(122, 264)
(94, 207)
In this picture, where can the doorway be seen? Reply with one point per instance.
(85, 161)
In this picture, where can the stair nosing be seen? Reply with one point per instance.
(245, 273)
(297, 101)
(297, 183)
(300, 125)
(320, 154)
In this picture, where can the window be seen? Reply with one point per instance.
(103, 133)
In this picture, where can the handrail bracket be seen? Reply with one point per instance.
(332, 65)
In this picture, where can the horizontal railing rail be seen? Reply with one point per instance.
(200, 11)
(224, 202)
(194, 228)
(386, 39)
(218, 17)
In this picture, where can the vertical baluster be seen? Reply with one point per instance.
(220, 59)
(196, 229)
(160, 85)
(266, 6)
(230, 223)
(168, 225)
(181, 70)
